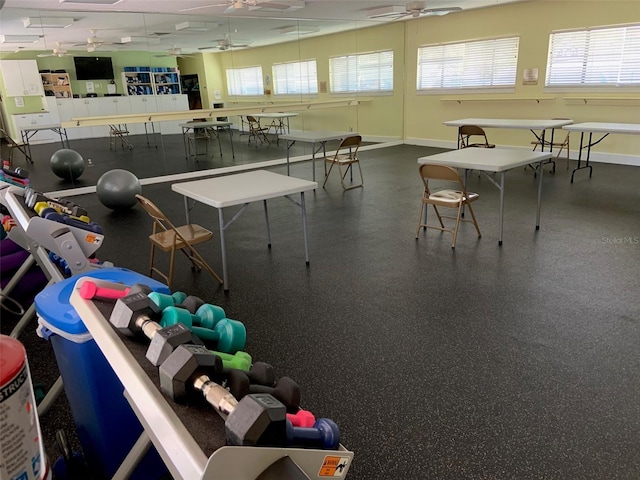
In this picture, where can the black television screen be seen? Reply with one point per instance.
(93, 68)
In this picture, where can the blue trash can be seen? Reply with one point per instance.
(106, 425)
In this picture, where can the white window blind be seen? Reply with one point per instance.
(244, 81)
(367, 72)
(594, 57)
(295, 78)
(477, 64)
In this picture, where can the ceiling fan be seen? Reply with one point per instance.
(225, 44)
(233, 5)
(412, 9)
(56, 52)
(173, 52)
(94, 42)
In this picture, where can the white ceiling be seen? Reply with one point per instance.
(152, 23)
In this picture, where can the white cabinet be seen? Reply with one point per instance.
(87, 107)
(172, 103)
(24, 121)
(21, 78)
(141, 104)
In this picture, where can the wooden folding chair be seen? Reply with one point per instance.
(256, 131)
(169, 238)
(13, 145)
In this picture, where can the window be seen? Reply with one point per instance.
(479, 65)
(594, 57)
(366, 72)
(244, 81)
(295, 78)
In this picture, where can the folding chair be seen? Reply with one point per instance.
(119, 132)
(549, 145)
(346, 156)
(256, 131)
(445, 198)
(193, 138)
(465, 133)
(169, 238)
(13, 145)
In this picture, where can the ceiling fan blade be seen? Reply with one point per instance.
(212, 5)
(440, 11)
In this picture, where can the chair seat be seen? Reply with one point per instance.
(481, 145)
(452, 196)
(192, 233)
(546, 144)
(342, 159)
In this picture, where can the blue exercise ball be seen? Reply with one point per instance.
(117, 189)
(67, 164)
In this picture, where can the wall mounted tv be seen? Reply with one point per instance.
(93, 68)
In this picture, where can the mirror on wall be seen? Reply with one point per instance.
(148, 67)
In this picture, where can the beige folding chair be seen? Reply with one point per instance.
(13, 145)
(346, 156)
(549, 145)
(445, 198)
(169, 238)
(465, 133)
(119, 132)
(256, 131)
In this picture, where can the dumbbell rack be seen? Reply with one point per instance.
(189, 451)
(37, 235)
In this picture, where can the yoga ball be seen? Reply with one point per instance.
(67, 164)
(117, 189)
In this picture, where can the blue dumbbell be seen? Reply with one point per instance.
(324, 434)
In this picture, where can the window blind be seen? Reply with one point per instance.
(477, 64)
(367, 72)
(295, 78)
(594, 57)
(244, 81)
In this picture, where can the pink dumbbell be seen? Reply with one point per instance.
(90, 290)
(302, 418)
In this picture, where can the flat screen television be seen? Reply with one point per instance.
(93, 68)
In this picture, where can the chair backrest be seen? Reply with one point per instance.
(352, 144)
(467, 131)
(440, 172)
(251, 119)
(160, 219)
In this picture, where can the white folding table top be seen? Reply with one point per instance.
(487, 159)
(242, 188)
(509, 123)
(208, 123)
(601, 127)
(317, 136)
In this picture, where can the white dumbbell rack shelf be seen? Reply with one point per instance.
(189, 454)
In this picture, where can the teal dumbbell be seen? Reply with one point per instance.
(163, 300)
(230, 335)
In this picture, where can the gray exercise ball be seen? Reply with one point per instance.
(67, 164)
(117, 189)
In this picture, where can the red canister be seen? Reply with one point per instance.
(21, 452)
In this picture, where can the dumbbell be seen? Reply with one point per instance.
(90, 290)
(206, 314)
(256, 420)
(302, 418)
(238, 360)
(230, 335)
(286, 389)
(50, 213)
(77, 212)
(163, 300)
(324, 434)
(134, 315)
(15, 171)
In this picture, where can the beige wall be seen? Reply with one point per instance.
(533, 22)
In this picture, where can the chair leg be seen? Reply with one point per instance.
(172, 262)
(439, 216)
(420, 224)
(327, 175)
(153, 250)
(455, 231)
(475, 223)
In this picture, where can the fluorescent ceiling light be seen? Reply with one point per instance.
(391, 10)
(92, 2)
(48, 22)
(295, 30)
(196, 26)
(289, 6)
(19, 38)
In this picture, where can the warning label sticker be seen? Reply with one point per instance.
(334, 466)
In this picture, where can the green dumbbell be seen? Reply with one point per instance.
(239, 360)
(230, 335)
